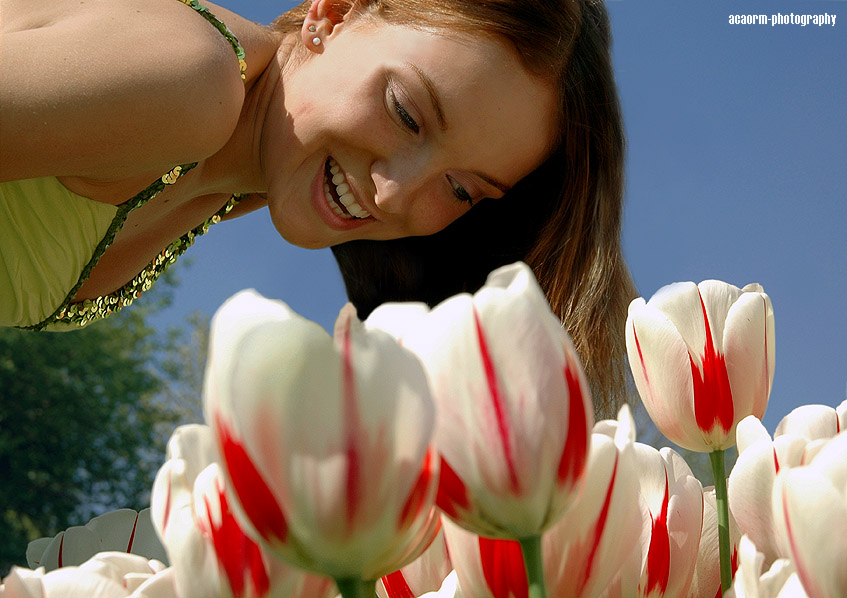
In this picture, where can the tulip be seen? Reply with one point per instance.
(585, 549)
(702, 357)
(663, 564)
(211, 555)
(105, 575)
(590, 544)
(123, 530)
(514, 408)
(425, 574)
(796, 440)
(780, 581)
(810, 512)
(324, 445)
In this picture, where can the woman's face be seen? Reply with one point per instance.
(391, 132)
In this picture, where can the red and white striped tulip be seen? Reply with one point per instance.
(703, 358)
(663, 564)
(810, 512)
(211, 555)
(779, 581)
(105, 575)
(797, 439)
(514, 408)
(585, 549)
(425, 574)
(325, 444)
(123, 530)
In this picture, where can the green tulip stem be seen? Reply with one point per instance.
(355, 587)
(531, 549)
(719, 473)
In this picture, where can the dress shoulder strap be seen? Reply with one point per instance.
(219, 25)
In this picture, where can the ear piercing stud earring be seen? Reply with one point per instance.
(316, 41)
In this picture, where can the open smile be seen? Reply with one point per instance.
(338, 194)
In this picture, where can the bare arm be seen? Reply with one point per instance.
(108, 89)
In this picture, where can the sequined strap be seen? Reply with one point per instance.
(83, 312)
(233, 41)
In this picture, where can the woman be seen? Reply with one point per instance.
(354, 121)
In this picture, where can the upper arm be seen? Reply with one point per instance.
(110, 89)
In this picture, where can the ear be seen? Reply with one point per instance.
(322, 21)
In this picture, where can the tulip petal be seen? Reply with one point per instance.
(503, 567)
(74, 546)
(707, 576)
(452, 492)
(808, 508)
(253, 492)
(812, 422)
(498, 408)
(239, 557)
(713, 398)
(575, 452)
(749, 431)
(35, 551)
(748, 344)
(659, 359)
(749, 487)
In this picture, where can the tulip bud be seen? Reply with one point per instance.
(514, 408)
(325, 444)
(702, 357)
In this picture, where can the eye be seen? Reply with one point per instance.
(459, 191)
(405, 118)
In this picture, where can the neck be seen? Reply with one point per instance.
(239, 166)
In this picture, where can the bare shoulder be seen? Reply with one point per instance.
(106, 88)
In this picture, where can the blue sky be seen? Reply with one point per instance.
(736, 170)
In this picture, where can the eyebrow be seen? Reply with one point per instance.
(431, 89)
(493, 182)
(433, 94)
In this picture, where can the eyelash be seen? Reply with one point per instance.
(404, 116)
(459, 191)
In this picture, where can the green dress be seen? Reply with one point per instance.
(51, 239)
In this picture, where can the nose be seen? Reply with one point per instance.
(398, 180)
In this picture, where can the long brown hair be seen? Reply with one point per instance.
(564, 219)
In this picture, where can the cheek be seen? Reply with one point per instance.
(433, 216)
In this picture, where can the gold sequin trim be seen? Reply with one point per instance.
(89, 310)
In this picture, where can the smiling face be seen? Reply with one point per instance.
(391, 132)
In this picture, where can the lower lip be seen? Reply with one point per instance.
(321, 206)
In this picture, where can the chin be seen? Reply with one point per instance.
(304, 241)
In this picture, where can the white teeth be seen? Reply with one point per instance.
(342, 189)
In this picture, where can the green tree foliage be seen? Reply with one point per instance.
(83, 424)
